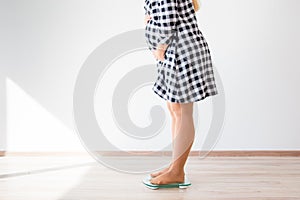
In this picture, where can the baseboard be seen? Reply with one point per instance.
(215, 153)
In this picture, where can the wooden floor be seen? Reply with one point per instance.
(82, 178)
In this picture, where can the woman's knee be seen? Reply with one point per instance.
(174, 109)
(187, 108)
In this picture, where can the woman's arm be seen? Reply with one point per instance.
(146, 8)
(167, 20)
(162, 28)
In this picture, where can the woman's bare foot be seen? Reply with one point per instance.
(155, 174)
(168, 177)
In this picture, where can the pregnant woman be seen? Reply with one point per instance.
(185, 74)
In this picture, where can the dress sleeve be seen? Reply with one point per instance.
(167, 20)
(162, 29)
(146, 7)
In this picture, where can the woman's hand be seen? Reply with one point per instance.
(147, 18)
(159, 54)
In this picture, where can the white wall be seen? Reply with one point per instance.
(254, 44)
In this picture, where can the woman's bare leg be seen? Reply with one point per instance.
(184, 138)
(173, 129)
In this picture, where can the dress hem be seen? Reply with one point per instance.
(195, 100)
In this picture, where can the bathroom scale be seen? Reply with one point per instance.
(148, 184)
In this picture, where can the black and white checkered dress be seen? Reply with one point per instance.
(186, 74)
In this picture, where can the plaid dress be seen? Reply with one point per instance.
(186, 73)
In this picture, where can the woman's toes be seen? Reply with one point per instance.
(155, 181)
(155, 174)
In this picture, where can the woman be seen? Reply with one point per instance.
(185, 73)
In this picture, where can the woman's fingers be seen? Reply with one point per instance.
(147, 18)
(159, 54)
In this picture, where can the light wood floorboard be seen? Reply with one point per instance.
(82, 178)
